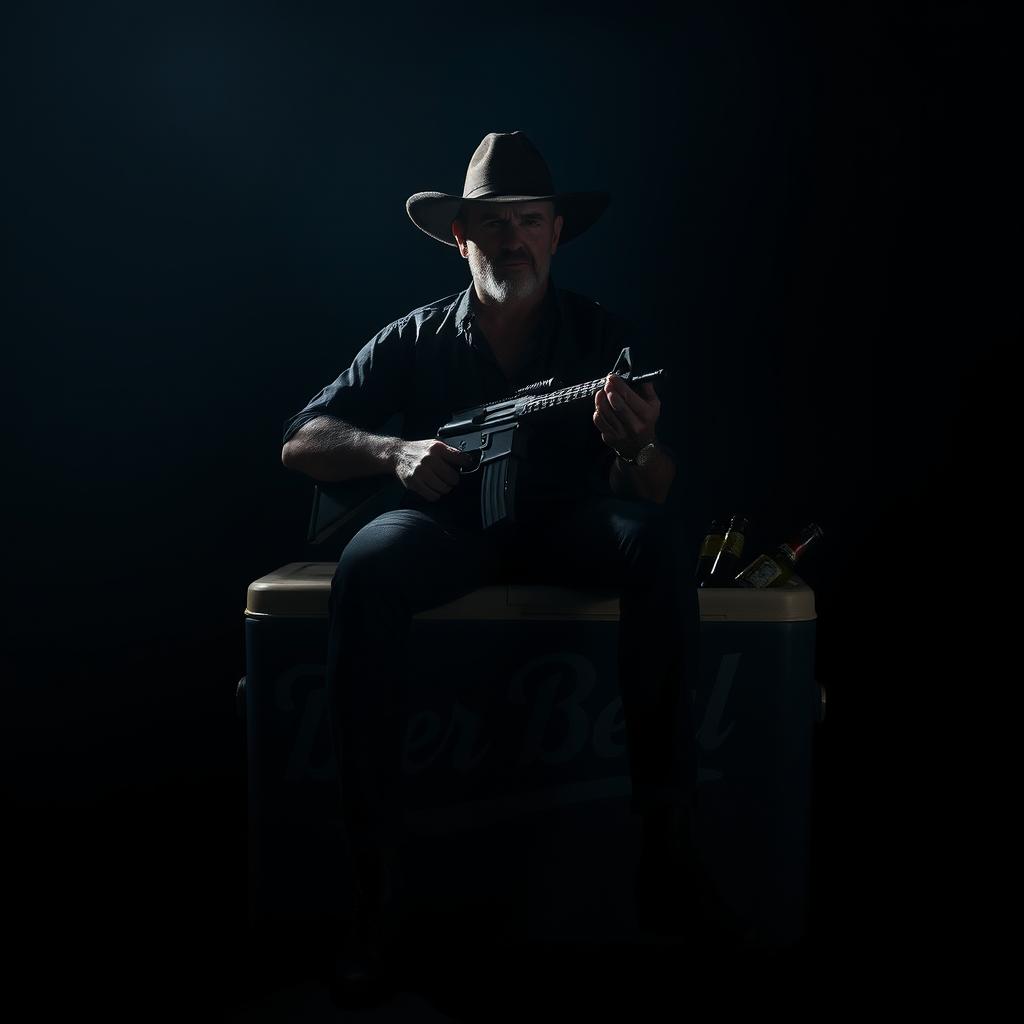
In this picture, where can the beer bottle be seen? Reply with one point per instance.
(727, 561)
(775, 569)
(709, 551)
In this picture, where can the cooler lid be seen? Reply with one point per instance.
(296, 590)
(792, 602)
(302, 589)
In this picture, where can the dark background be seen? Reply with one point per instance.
(205, 220)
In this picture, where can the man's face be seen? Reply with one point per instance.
(509, 246)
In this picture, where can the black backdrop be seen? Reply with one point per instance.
(205, 220)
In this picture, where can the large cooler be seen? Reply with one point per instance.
(515, 777)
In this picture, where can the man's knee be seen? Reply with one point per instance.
(377, 556)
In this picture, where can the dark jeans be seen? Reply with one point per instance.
(411, 559)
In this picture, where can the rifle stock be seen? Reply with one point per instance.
(343, 503)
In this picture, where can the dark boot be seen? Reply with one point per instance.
(360, 972)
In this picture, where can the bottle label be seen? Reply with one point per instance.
(764, 574)
(711, 546)
(733, 543)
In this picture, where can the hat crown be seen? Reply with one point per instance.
(507, 164)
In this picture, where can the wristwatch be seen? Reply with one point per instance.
(642, 457)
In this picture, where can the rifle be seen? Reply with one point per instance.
(495, 432)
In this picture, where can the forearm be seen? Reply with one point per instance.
(329, 449)
(652, 482)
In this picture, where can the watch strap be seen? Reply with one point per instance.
(633, 461)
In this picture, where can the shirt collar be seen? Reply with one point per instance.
(465, 311)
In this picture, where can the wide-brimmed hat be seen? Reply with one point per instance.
(506, 168)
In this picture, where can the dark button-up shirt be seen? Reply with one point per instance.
(435, 361)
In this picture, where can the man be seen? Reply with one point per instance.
(589, 512)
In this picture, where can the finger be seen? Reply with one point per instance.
(436, 482)
(624, 392)
(627, 417)
(612, 430)
(626, 398)
(436, 466)
(609, 417)
(456, 456)
(600, 423)
(447, 474)
(638, 401)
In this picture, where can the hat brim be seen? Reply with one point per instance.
(433, 212)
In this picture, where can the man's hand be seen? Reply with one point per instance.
(625, 419)
(429, 468)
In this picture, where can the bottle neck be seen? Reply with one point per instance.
(798, 546)
(794, 549)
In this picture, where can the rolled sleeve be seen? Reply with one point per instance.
(375, 386)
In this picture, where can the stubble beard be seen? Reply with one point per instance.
(503, 285)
